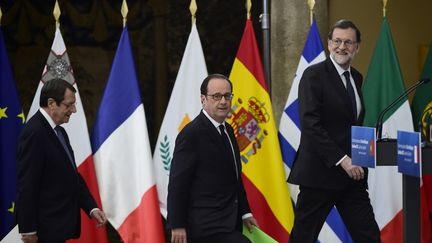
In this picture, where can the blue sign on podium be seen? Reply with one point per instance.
(409, 153)
(363, 144)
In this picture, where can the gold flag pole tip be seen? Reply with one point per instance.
(57, 13)
(248, 8)
(193, 9)
(124, 12)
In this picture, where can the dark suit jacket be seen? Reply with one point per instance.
(326, 117)
(205, 195)
(50, 192)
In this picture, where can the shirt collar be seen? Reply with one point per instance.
(215, 123)
(48, 118)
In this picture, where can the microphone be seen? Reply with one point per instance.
(379, 122)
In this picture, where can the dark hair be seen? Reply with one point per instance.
(55, 89)
(205, 82)
(345, 24)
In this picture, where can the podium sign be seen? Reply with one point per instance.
(363, 144)
(408, 153)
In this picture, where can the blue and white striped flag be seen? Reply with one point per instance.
(334, 230)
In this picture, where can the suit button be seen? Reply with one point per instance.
(236, 201)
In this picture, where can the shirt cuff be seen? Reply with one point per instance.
(29, 233)
(94, 209)
(247, 215)
(340, 161)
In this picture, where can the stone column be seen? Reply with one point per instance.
(290, 22)
(160, 8)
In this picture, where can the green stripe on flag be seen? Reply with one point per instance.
(383, 82)
(423, 95)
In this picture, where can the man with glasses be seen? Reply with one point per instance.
(330, 102)
(206, 199)
(50, 191)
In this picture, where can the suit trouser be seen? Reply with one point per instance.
(353, 203)
(233, 237)
(51, 241)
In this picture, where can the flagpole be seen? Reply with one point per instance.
(265, 26)
(1, 14)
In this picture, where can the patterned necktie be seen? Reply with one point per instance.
(351, 92)
(63, 142)
(227, 145)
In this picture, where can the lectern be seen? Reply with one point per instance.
(386, 156)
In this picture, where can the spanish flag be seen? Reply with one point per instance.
(255, 130)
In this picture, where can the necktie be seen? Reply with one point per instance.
(351, 92)
(227, 145)
(63, 142)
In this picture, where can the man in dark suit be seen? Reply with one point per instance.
(206, 198)
(50, 191)
(330, 102)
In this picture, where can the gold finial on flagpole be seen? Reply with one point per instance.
(248, 8)
(193, 8)
(57, 14)
(311, 4)
(124, 12)
(384, 8)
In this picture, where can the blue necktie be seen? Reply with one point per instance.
(351, 93)
(63, 142)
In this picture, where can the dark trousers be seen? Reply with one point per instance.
(233, 237)
(314, 205)
(50, 241)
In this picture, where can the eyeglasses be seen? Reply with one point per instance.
(348, 43)
(218, 96)
(68, 106)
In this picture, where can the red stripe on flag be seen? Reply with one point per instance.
(248, 54)
(427, 187)
(89, 232)
(392, 232)
(261, 211)
(425, 210)
(144, 224)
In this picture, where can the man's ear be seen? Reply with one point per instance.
(51, 102)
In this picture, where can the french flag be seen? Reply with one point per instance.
(122, 156)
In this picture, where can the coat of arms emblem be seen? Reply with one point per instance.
(247, 120)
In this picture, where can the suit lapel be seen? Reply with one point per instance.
(49, 131)
(212, 131)
(358, 82)
(215, 138)
(53, 137)
(236, 148)
(338, 83)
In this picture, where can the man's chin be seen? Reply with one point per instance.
(342, 61)
(222, 116)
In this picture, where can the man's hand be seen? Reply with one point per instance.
(178, 235)
(29, 238)
(250, 222)
(99, 216)
(354, 172)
